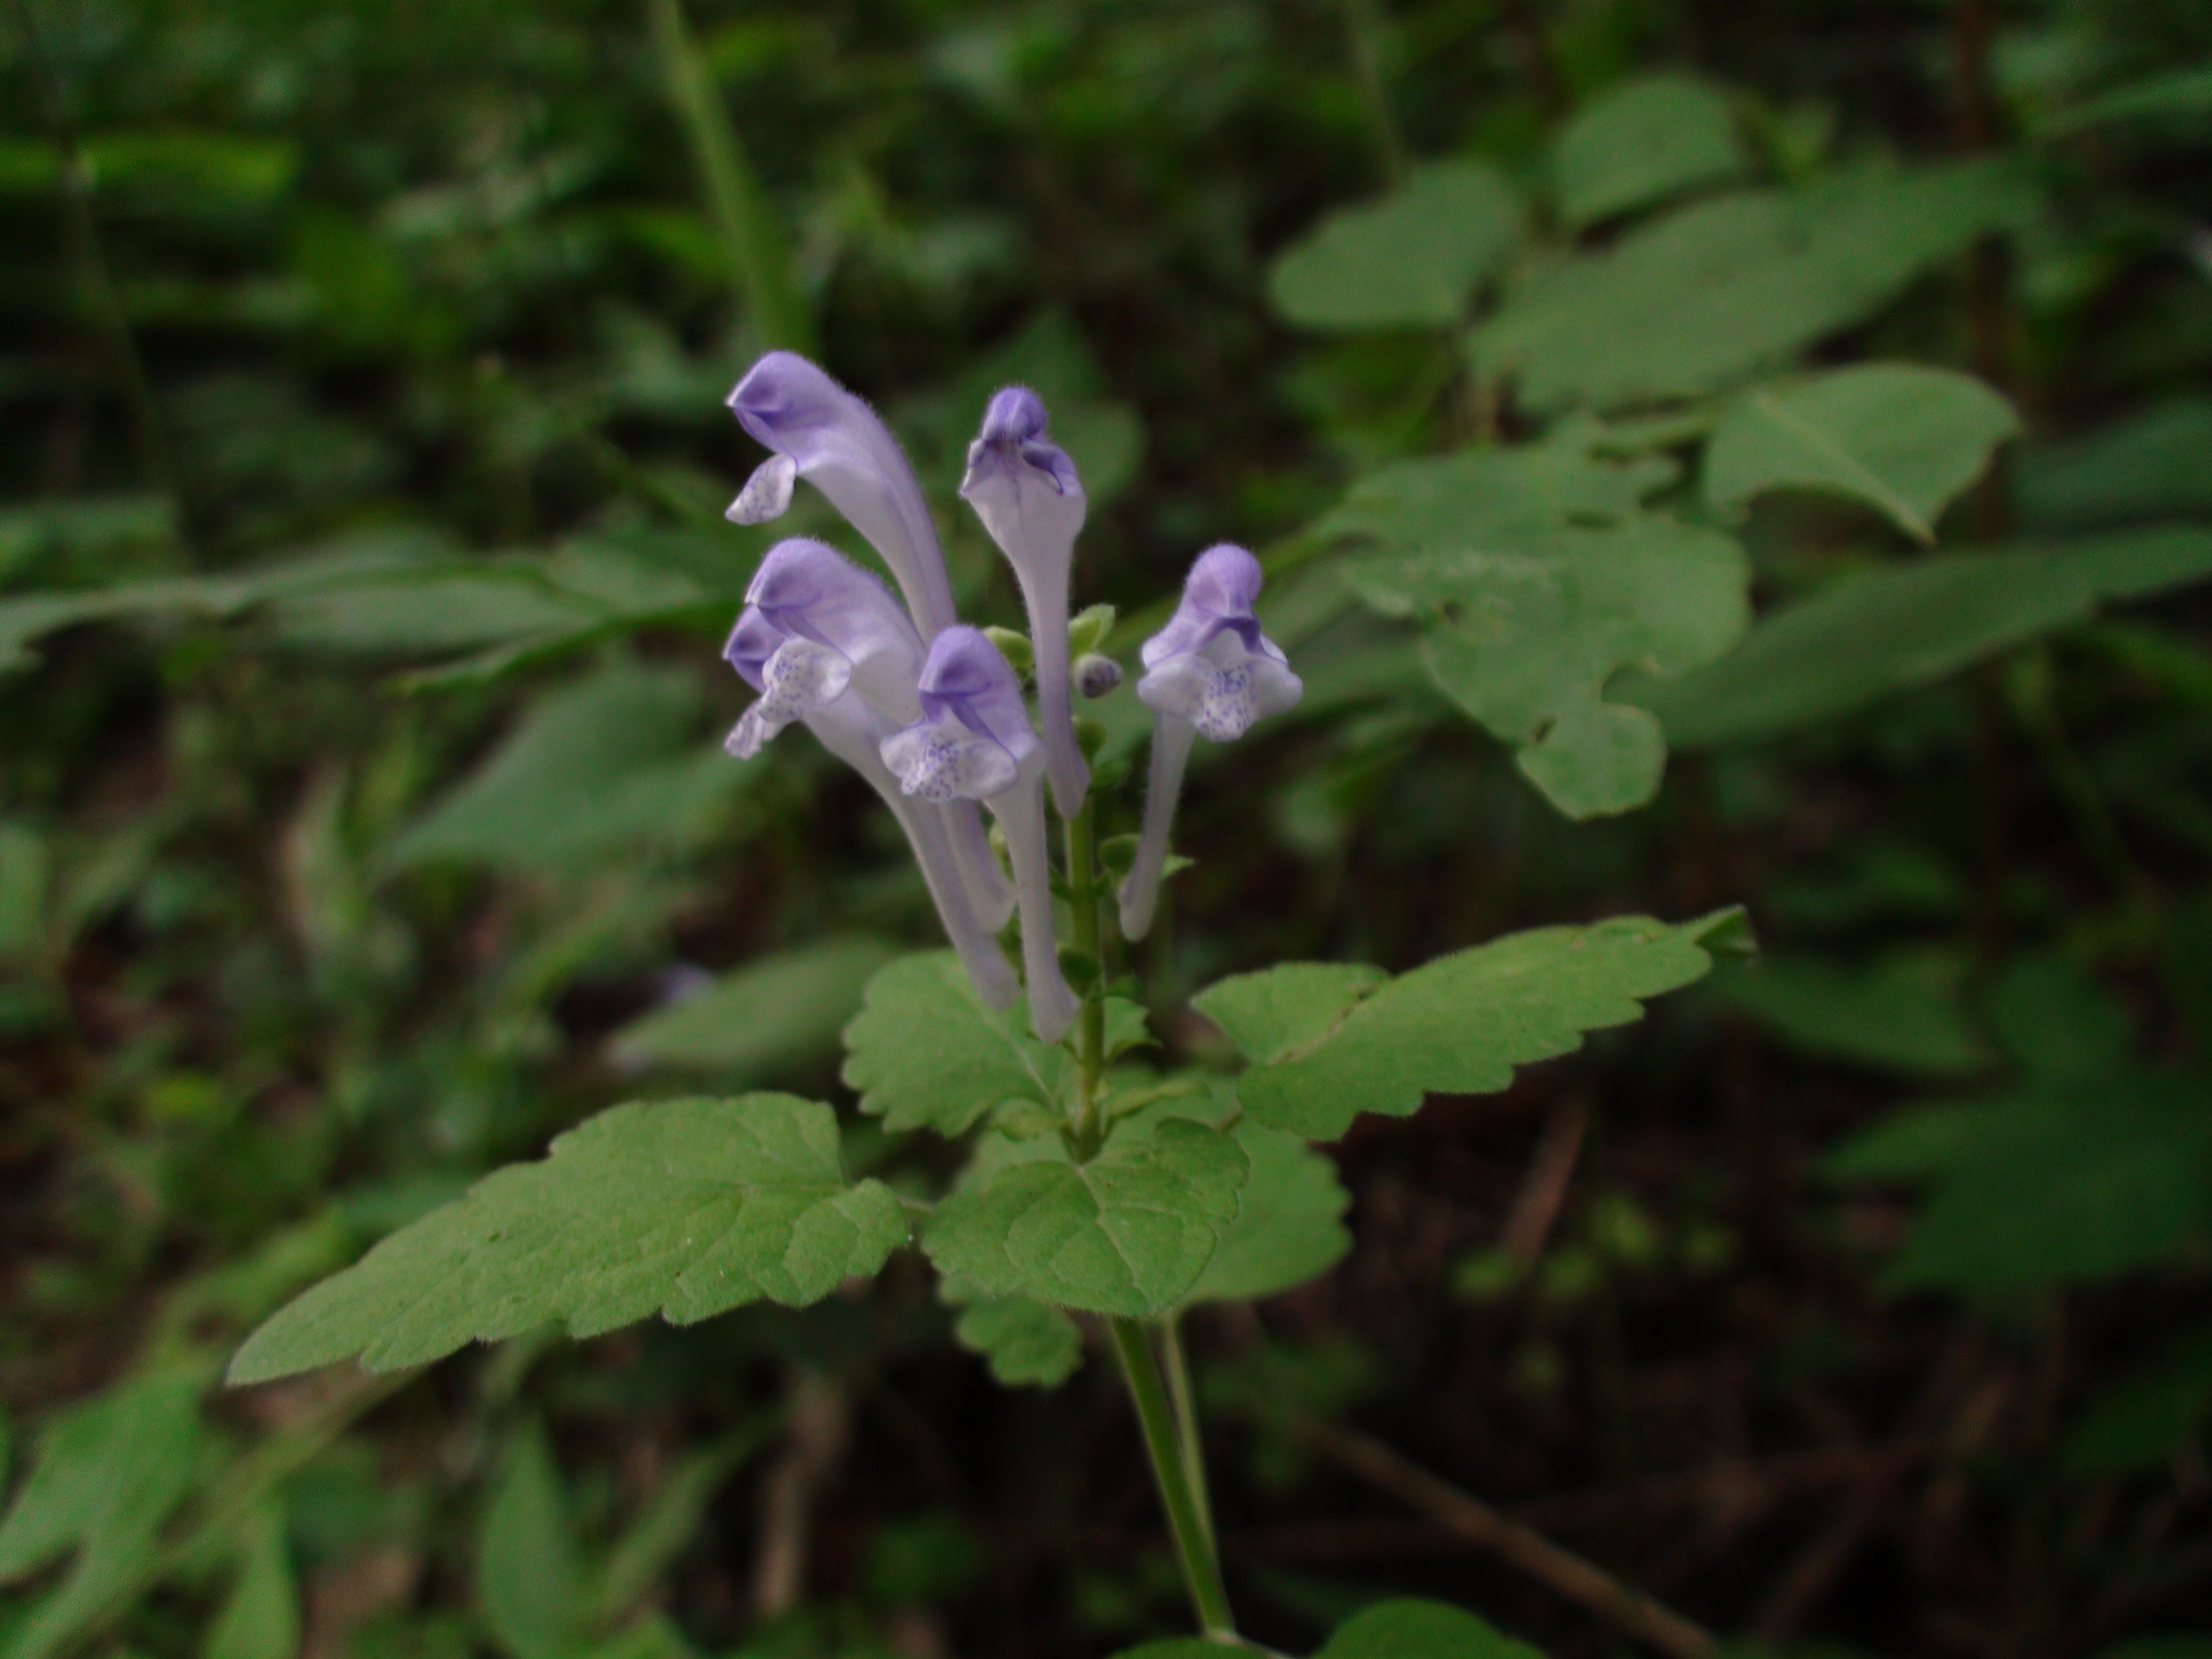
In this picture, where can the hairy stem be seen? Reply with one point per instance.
(1086, 892)
(1201, 1572)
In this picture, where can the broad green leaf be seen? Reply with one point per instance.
(106, 1476)
(925, 1053)
(1128, 1234)
(2146, 466)
(1717, 291)
(1486, 497)
(528, 1582)
(1896, 627)
(774, 1013)
(260, 1617)
(1903, 439)
(2049, 1186)
(686, 1207)
(607, 764)
(1458, 1025)
(1025, 1342)
(1525, 634)
(1412, 259)
(1654, 137)
(1902, 1014)
(1289, 1226)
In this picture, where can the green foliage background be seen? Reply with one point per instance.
(1704, 454)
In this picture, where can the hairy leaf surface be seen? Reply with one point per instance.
(925, 1053)
(686, 1207)
(1127, 1233)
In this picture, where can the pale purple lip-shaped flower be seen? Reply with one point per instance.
(1025, 490)
(1209, 672)
(814, 626)
(824, 434)
(824, 643)
(974, 742)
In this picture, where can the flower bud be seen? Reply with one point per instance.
(1095, 675)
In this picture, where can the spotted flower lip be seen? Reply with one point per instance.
(1029, 497)
(974, 742)
(1210, 672)
(1211, 664)
(824, 434)
(815, 625)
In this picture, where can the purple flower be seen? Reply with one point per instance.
(824, 434)
(974, 742)
(814, 626)
(1210, 672)
(824, 643)
(1025, 490)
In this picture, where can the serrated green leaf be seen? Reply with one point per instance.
(1126, 1234)
(774, 1012)
(1902, 438)
(1026, 1343)
(1902, 1014)
(1721, 290)
(1525, 637)
(1653, 137)
(260, 1617)
(528, 1582)
(1289, 1226)
(1410, 260)
(1890, 628)
(686, 1207)
(107, 1475)
(925, 1053)
(1271, 1014)
(1458, 1025)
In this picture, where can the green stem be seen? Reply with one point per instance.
(1201, 1572)
(1184, 1399)
(734, 195)
(1084, 892)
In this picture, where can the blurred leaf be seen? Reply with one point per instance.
(1413, 259)
(2147, 1419)
(106, 1475)
(1027, 1343)
(925, 1561)
(213, 163)
(1887, 630)
(1126, 1234)
(528, 1582)
(925, 1053)
(104, 531)
(1388, 1630)
(1653, 137)
(2048, 1187)
(2146, 466)
(260, 1618)
(688, 1207)
(1525, 637)
(2060, 1024)
(1900, 1014)
(1903, 439)
(774, 1013)
(1289, 1226)
(1717, 291)
(1327, 1044)
(669, 1523)
(2184, 92)
(606, 763)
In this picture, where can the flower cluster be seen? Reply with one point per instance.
(927, 709)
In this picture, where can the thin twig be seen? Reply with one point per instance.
(821, 1424)
(1543, 1188)
(1557, 1568)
